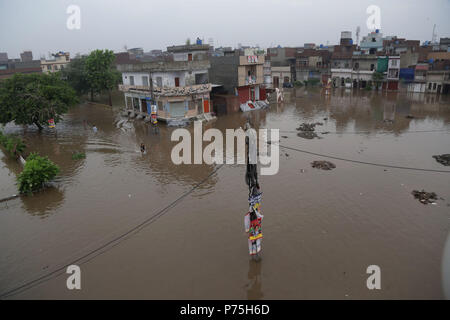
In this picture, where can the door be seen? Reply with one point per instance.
(177, 82)
(144, 105)
(276, 82)
(190, 57)
(206, 105)
(177, 109)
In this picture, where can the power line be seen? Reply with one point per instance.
(93, 253)
(361, 132)
(363, 162)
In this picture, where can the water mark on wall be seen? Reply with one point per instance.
(74, 20)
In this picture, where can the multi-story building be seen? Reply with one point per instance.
(393, 73)
(194, 52)
(61, 60)
(372, 43)
(179, 89)
(26, 56)
(242, 76)
(313, 64)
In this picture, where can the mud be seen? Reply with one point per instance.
(425, 197)
(324, 165)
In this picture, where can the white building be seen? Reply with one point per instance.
(62, 59)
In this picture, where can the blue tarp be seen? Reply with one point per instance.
(407, 74)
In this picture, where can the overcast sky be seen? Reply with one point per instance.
(40, 25)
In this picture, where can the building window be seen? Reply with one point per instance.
(434, 86)
(429, 86)
(49, 67)
(372, 66)
(356, 66)
(145, 81)
(394, 63)
(159, 81)
(132, 80)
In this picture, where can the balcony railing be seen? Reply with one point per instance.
(168, 91)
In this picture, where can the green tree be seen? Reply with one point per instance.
(34, 99)
(377, 78)
(100, 73)
(75, 75)
(37, 171)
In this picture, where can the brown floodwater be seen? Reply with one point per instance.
(322, 229)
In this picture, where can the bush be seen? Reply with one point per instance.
(38, 170)
(298, 83)
(78, 155)
(13, 145)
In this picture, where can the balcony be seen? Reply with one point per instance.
(167, 91)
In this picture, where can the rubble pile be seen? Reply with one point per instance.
(424, 197)
(324, 165)
(443, 159)
(309, 126)
(307, 130)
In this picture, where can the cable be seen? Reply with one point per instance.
(361, 132)
(363, 162)
(93, 253)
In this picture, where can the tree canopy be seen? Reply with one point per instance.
(34, 99)
(100, 73)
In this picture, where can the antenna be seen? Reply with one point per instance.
(358, 29)
(434, 35)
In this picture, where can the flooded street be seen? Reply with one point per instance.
(322, 229)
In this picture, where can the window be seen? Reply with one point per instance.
(356, 65)
(434, 86)
(49, 67)
(159, 81)
(132, 80)
(372, 66)
(429, 86)
(394, 63)
(145, 81)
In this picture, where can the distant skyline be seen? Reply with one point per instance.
(40, 25)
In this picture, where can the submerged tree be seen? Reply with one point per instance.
(377, 78)
(100, 73)
(34, 99)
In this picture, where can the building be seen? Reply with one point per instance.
(9, 67)
(419, 84)
(60, 61)
(26, 56)
(192, 52)
(280, 75)
(372, 43)
(282, 57)
(438, 81)
(180, 89)
(393, 73)
(313, 64)
(242, 76)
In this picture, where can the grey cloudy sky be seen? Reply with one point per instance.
(40, 25)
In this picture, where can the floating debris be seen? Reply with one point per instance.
(425, 197)
(309, 126)
(409, 116)
(443, 159)
(308, 135)
(324, 165)
(325, 132)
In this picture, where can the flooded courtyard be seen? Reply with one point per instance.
(109, 212)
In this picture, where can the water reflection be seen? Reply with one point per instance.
(254, 286)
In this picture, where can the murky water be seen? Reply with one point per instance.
(322, 229)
